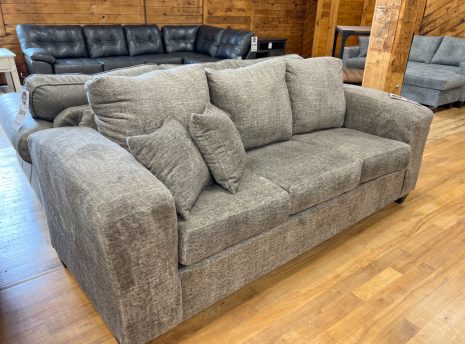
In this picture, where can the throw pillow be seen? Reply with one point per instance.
(451, 52)
(220, 144)
(317, 94)
(129, 106)
(424, 48)
(171, 155)
(257, 100)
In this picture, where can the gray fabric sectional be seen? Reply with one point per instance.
(435, 72)
(147, 267)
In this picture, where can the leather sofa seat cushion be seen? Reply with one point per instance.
(77, 65)
(188, 57)
(310, 174)
(220, 219)
(179, 38)
(129, 106)
(356, 62)
(423, 48)
(433, 76)
(9, 106)
(105, 40)
(451, 52)
(379, 156)
(317, 94)
(208, 40)
(60, 41)
(161, 59)
(144, 39)
(234, 44)
(256, 99)
(114, 62)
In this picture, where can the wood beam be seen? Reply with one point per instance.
(394, 24)
(368, 11)
(325, 27)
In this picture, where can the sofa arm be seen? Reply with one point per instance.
(115, 227)
(461, 69)
(39, 54)
(350, 52)
(376, 113)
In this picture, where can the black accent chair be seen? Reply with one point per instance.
(57, 49)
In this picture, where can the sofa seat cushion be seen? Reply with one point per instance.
(161, 59)
(77, 65)
(220, 219)
(356, 62)
(433, 76)
(379, 156)
(115, 62)
(311, 174)
(199, 59)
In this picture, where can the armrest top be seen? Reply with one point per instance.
(39, 54)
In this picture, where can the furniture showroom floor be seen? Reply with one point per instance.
(396, 277)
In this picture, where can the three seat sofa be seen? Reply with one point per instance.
(326, 156)
(90, 49)
(435, 73)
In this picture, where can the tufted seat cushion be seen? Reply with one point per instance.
(114, 62)
(105, 40)
(220, 219)
(179, 38)
(310, 174)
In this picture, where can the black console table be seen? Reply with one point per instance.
(346, 32)
(267, 47)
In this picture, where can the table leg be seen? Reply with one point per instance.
(9, 82)
(14, 74)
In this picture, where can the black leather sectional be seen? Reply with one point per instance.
(57, 49)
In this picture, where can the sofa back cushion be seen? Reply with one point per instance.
(451, 52)
(234, 44)
(179, 38)
(363, 41)
(423, 48)
(317, 94)
(129, 106)
(208, 39)
(51, 94)
(256, 99)
(105, 40)
(61, 41)
(144, 39)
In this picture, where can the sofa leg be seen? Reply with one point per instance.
(401, 200)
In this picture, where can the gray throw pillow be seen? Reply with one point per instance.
(451, 52)
(317, 94)
(171, 155)
(129, 106)
(423, 48)
(220, 143)
(363, 41)
(257, 100)
(81, 115)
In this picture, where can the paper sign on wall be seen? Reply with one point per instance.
(23, 109)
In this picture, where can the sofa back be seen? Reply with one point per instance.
(179, 38)
(61, 41)
(208, 40)
(451, 52)
(105, 40)
(144, 39)
(424, 48)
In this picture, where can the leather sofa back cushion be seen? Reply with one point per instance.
(62, 41)
(51, 94)
(105, 40)
(451, 52)
(234, 44)
(208, 39)
(317, 94)
(256, 99)
(126, 106)
(179, 38)
(144, 39)
(424, 48)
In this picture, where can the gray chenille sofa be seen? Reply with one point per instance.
(435, 72)
(320, 156)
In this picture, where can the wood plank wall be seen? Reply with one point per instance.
(444, 18)
(277, 18)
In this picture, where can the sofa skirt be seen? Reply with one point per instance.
(212, 279)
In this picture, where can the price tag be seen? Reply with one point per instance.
(270, 45)
(254, 44)
(23, 109)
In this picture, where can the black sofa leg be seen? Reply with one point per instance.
(401, 200)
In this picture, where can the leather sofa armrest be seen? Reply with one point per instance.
(350, 52)
(461, 68)
(114, 225)
(376, 113)
(39, 54)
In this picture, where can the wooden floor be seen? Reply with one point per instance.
(396, 277)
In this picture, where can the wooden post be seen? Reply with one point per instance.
(394, 23)
(325, 27)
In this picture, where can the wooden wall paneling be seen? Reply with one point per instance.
(228, 13)
(309, 28)
(350, 13)
(368, 12)
(391, 37)
(325, 24)
(444, 18)
(174, 12)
